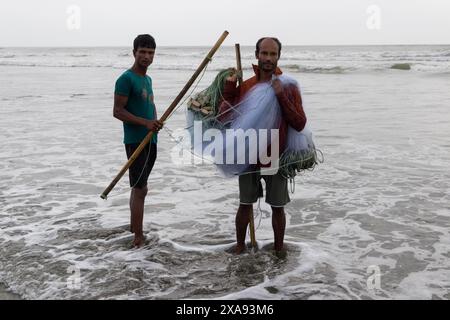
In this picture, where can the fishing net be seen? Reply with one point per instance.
(236, 145)
(204, 106)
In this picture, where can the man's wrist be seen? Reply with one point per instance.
(143, 122)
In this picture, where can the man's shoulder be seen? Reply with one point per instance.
(289, 83)
(126, 75)
(288, 80)
(124, 84)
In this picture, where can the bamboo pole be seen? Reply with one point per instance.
(238, 62)
(252, 230)
(240, 79)
(169, 110)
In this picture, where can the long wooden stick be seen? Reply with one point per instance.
(169, 110)
(240, 79)
(238, 62)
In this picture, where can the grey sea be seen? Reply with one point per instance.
(371, 222)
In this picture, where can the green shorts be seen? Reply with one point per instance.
(250, 189)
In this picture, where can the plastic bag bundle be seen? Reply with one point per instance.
(243, 141)
(253, 118)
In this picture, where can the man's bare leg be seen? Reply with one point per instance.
(137, 200)
(279, 226)
(242, 220)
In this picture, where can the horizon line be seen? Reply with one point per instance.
(244, 45)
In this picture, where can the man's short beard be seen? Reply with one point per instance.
(261, 67)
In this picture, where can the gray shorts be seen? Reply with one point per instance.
(250, 189)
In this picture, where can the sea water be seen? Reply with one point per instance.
(371, 222)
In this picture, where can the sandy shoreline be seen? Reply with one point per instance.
(5, 294)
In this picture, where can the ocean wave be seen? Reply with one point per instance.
(76, 95)
(291, 67)
(27, 97)
(347, 68)
(176, 54)
(17, 64)
(401, 66)
(313, 69)
(413, 56)
(47, 65)
(8, 56)
(91, 66)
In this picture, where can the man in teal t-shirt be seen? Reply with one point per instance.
(134, 105)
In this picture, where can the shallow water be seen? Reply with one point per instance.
(380, 200)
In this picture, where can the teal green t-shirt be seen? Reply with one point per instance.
(139, 91)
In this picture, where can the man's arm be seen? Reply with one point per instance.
(290, 101)
(230, 95)
(152, 98)
(121, 113)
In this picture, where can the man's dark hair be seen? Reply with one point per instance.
(144, 41)
(274, 39)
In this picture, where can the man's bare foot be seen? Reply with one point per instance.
(139, 241)
(281, 254)
(239, 249)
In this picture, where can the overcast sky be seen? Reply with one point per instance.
(200, 22)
